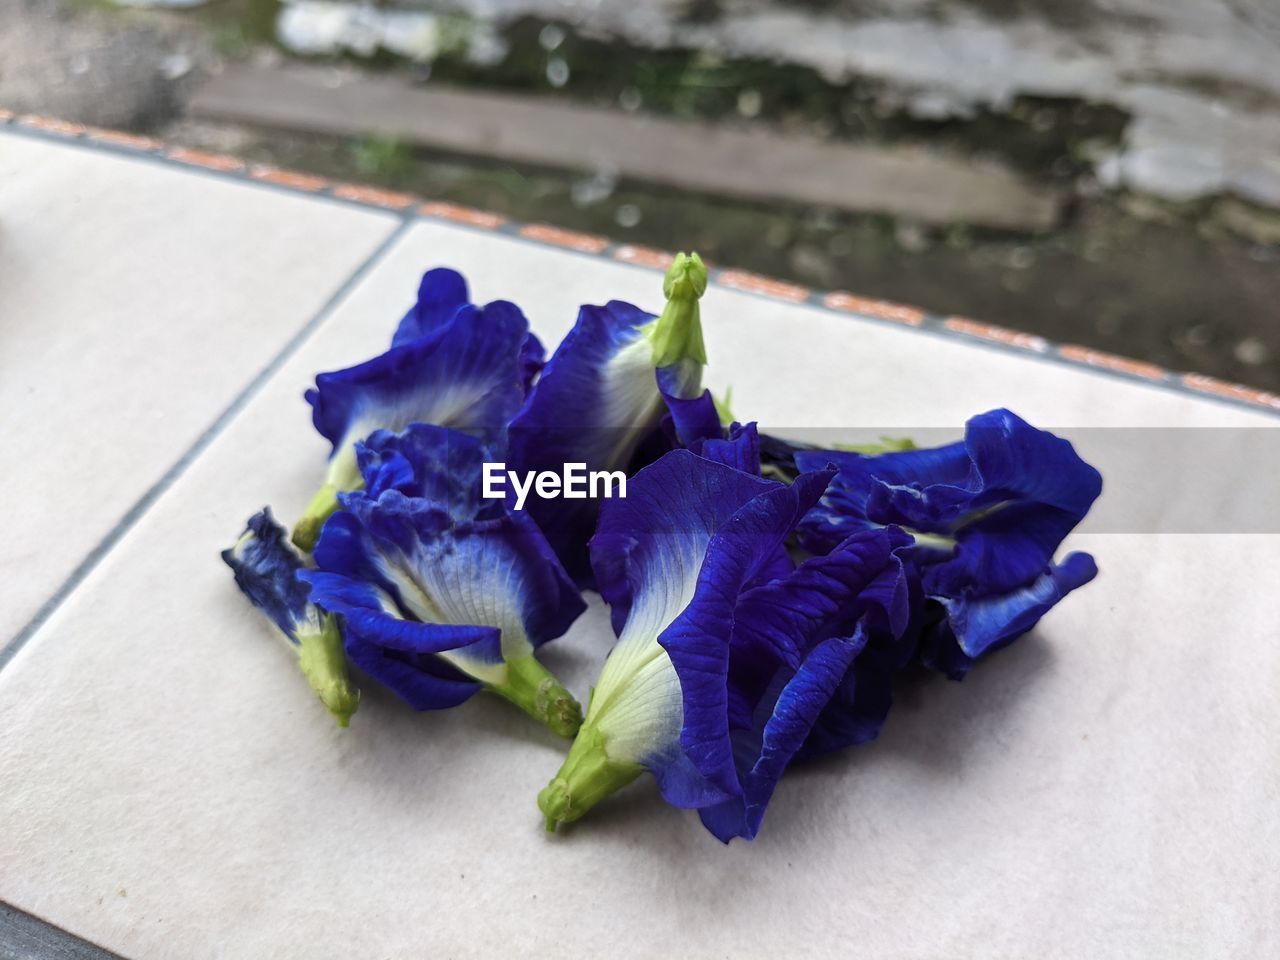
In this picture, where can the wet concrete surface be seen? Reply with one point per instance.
(1190, 285)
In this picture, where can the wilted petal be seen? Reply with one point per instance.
(266, 570)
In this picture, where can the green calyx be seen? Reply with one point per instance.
(532, 688)
(677, 334)
(343, 477)
(306, 532)
(324, 664)
(586, 778)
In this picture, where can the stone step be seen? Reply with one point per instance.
(914, 182)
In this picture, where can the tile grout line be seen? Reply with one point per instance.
(202, 443)
(411, 209)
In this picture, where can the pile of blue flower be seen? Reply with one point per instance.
(766, 596)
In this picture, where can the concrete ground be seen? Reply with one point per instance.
(1187, 283)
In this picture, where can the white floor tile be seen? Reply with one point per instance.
(135, 303)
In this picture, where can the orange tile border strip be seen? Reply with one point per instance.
(220, 162)
(128, 140)
(1110, 361)
(569, 239)
(880, 309)
(288, 178)
(63, 128)
(457, 214)
(374, 196)
(644, 256)
(997, 334)
(1200, 383)
(647, 257)
(766, 286)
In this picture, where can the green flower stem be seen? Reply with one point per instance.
(534, 690)
(677, 334)
(886, 445)
(586, 778)
(307, 530)
(324, 664)
(724, 408)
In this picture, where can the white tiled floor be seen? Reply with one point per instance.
(169, 788)
(135, 303)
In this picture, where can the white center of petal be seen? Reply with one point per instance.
(631, 402)
(435, 587)
(637, 704)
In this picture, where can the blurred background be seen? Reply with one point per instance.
(1102, 172)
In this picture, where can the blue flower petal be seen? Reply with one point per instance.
(693, 420)
(420, 566)
(1007, 496)
(441, 293)
(265, 568)
(791, 717)
(740, 448)
(345, 549)
(859, 706)
(651, 543)
(596, 402)
(863, 578)
(432, 463)
(679, 781)
(848, 505)
(978, 625)
(698, 640)
(374, 617)
(420, 681)
(466, 375)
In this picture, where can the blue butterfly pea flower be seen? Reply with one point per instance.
(795, 645)
(727, 654)
(986, 515)
(441, 294)
(266, 570)
(600, 398)
(451, 363)
(444, 593)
